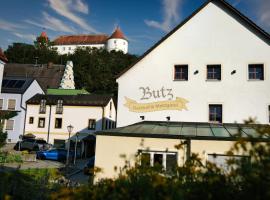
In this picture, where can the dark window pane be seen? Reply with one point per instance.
(171, 162)
(158, 159)
(145, 159)
(214, 72)
(215, 113)
(181, 72)
(256, 72)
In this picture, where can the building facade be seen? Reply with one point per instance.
(15, 92)
(197, 85)
(3, 60)
(215, 63)
(67, 44)
(49, 115)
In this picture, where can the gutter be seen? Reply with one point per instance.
(103, 115)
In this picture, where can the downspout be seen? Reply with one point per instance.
(103, 115)
(49, 124)
(24, 113)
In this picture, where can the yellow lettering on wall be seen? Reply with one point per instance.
(177, 104)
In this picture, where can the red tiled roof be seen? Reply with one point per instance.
(81, 39)
(43, 34)
(2, 56)
(118, 34)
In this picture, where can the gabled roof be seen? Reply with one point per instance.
(2, 56)
(74, 100)
(16, 85)
(189, 130)
(48, 76)
(80, 39)
(222, 3)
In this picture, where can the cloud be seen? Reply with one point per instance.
(263, 12)
(9, 26)
(170, 15)
(66, 9)
(51, 23)
(29, 37)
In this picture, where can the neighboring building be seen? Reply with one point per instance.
(3, 60)
(68, 43)
(15, 92)
(48, 75)
(49, 115)
(211, 70)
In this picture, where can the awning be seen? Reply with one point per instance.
(190, 130)
(83, 136)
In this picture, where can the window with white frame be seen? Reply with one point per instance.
(214, 72)
(41, 122)
(11, 104)
(59, 107)
(9, 124)
(91, 124)
(167, 160)
(215, 113)
(42, 107)
(221, 160)
(255, 72)
(1, 104)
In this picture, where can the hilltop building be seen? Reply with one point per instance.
(196, 86)
(68, 43)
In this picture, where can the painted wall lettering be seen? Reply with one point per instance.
(148, 93)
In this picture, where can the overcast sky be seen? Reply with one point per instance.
(143, 22)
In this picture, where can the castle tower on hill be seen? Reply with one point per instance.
(67, 44)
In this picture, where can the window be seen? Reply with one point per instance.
(1, 104)
(110, 115)
(91, 124)
(9, 124)
(213, 72)
(11, 104)
(58, 123)
(31, 120)
(59, 144)
(215, 113)
(41, 122)
(59, 107)
(167, 160)
(269, 113)
(181, 72)
(42, 108)
(69, 48)
(255, 72)
(222, 160)
(64, 48)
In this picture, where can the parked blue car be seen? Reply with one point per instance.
(54, 154)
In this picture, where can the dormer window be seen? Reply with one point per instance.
(42, 108)
(59, 107)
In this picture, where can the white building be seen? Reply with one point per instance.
(211, 70)
(3, 60)
(67, 44)
(49, 115)
(15, 92)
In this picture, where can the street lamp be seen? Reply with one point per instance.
(69, 128)
(75, 156)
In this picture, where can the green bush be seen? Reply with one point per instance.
(6, 157)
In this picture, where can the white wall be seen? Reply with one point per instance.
(1, 73)
(77, 116)
(117, 45)
(210, 37)
(70, 49)
(19, 119)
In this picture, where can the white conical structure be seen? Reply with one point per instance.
(67, 81)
